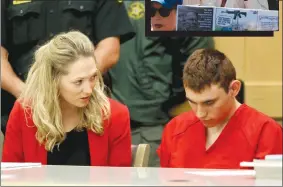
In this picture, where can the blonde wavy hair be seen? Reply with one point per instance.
(41, 93)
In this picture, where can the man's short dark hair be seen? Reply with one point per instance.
(206, 67)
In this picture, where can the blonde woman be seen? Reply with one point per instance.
(63, 117)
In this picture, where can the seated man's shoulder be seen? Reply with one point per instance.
(182, 123)
(257, 120)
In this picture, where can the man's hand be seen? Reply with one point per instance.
(9, 80)
(107, 53)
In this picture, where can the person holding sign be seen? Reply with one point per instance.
(163, 14)
(219, 132)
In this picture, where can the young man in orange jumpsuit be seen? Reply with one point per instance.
(219, 132)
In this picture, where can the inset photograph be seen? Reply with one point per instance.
(212, 17)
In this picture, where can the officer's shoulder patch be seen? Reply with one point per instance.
(136, 10)
(16, 2)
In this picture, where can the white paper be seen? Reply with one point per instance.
(4, 176)
(262, 164)
(273, 157)
(16, 165)
(223, 173)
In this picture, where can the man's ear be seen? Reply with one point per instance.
(234, 88)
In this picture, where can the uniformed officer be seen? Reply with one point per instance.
(163, 14)
(27, 23)
(147, 78)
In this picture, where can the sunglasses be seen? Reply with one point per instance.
(164, 12)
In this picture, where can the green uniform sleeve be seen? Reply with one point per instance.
(112, 20)
(184, 48)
